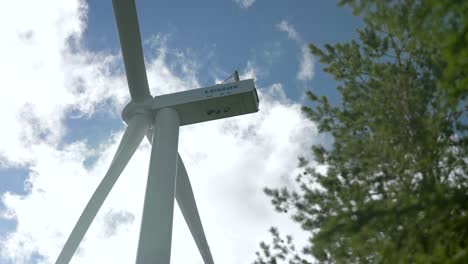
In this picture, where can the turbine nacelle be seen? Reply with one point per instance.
(202, 104)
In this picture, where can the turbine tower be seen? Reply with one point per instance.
(159, 118)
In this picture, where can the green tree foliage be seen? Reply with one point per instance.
(396, 185)
(438, 24)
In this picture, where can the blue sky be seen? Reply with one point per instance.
(222, 36)
(65, 88)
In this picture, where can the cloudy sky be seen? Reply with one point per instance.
(63, 88)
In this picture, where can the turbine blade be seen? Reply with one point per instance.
(134, 133)
(149, 136)
(130, 41)
(188, 206)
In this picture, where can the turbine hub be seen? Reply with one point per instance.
(138, 108)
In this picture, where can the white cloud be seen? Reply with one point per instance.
(306, 62)
(229, 161)
(245, 3)
(250, 72)
(306, 67)
(42, 78)
(285, 26)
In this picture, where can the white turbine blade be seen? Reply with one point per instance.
(188, 206)
(149, 136)
(136, 130)
(130, 41)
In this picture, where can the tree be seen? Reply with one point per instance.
(440, 24)
(396, 185)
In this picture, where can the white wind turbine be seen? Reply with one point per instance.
(159, 119)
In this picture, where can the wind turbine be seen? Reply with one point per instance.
(159, 119)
